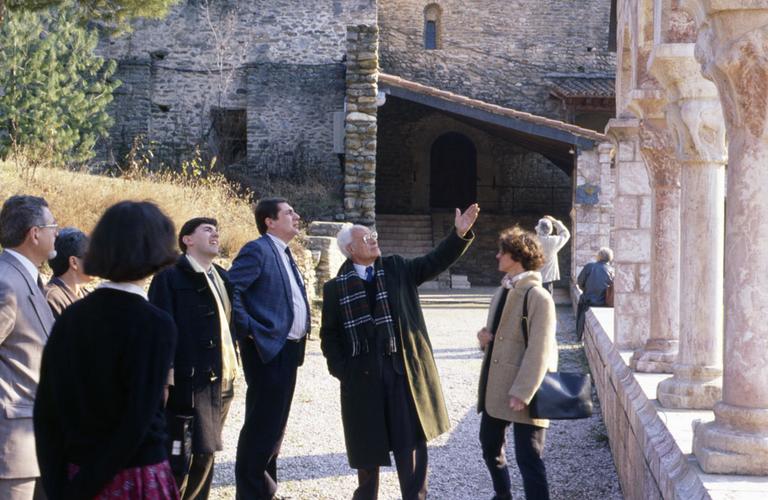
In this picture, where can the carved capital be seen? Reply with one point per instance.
(737, 61)
(657, 146)
(699, 130)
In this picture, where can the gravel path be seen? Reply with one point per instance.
(313, 463)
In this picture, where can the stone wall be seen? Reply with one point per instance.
(497, 50)
(632, 233)
(282, 60)
(593, 205)
(649, 462)
(509, 178)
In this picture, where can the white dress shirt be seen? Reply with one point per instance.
(299, 327)
(125, 287)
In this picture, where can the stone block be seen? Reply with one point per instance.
(632, 179)
(632, 304)
(625, 280)
(644, 278)
(645, 211)
(626, 212)
(626, 151)
(632, 246)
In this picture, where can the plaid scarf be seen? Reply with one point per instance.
(356, 312)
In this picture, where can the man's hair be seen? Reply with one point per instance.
(523, 247)
(344, 237)
(18, 215)
(605, 254)
(191, 226)
(71, 242)
(131, 241)
(267, 207)
(544, 227)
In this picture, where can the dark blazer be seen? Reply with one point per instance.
(263, 303)
(100, 400)
(362, 399)
(25, 322)
(593, 280)
(185, 295)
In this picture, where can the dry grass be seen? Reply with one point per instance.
(79, 199)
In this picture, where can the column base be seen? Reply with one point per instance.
(735, 443)
(691, 387)
(657, 356)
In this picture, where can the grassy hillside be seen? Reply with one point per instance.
(78, 199)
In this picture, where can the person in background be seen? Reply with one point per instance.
(593, 280)
(65, 287)
(99, 419)
(27, 234)
(550, 245)
(197, 294)
(511, 373)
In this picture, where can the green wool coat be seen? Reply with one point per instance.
(362, 398)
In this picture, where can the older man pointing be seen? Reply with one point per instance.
(375, 341)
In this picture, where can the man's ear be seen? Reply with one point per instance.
(72, 262)
(186, 239)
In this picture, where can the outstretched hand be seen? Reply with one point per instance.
(464, 221)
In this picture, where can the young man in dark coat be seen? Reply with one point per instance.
(375, 341)
(197, 294)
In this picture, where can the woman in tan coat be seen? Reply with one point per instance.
(511, 374)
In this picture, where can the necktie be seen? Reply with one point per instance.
(369, 274)
(295, 269)
(40, 284)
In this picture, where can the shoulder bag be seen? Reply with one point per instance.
(562, 395)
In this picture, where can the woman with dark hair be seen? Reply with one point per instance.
(511, 372)
(99, 418)
(65, 287)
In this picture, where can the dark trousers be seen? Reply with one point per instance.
(406, 440)
(196, 484)
(267, 406)
(529, 448)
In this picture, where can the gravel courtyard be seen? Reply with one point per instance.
(313, 464)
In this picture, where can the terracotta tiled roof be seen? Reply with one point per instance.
(396, 81)
(570, 87)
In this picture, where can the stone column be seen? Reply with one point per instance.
(632, 236)
(660, 350)
(695, 115)
(360, 124)
(733, 49)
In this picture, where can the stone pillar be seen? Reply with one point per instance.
(733, 49)
(694, 113)
(632, 235)
(360, 124)
(592, 204)
(660, 350)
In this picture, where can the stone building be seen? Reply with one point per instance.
(409, 108)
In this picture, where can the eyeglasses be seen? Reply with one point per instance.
(371, 238)
(49, 226)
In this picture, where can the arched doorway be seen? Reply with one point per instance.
(452, 172)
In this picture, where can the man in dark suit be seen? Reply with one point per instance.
(27, 234)
(272, 320)
(375, 341)
(197, 294)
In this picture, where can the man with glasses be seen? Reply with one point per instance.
(375, 342)
(27, 235)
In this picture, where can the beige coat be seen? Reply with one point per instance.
(513, 369)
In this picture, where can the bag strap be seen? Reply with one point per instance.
(524, 319)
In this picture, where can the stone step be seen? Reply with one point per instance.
(405, 230)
